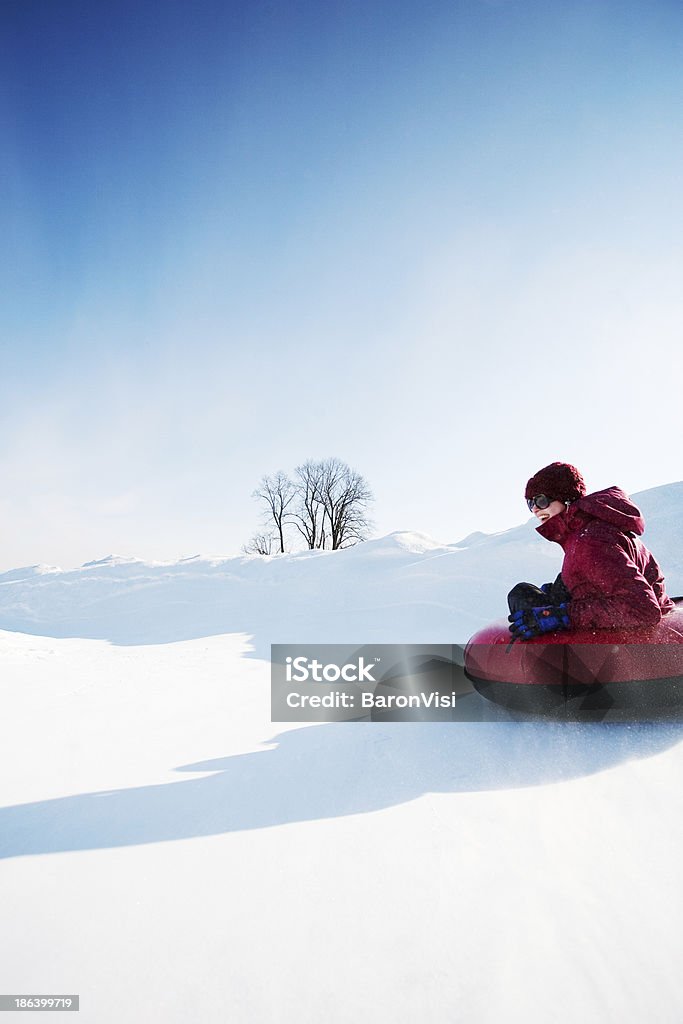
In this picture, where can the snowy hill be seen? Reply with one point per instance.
(402, 588)
(169, 854)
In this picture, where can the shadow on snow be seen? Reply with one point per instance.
(329, 771)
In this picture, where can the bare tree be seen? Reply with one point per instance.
(345, 497)
(277, 492)
(332, 510)
(260, 544)
(309, 514)
(327, 502)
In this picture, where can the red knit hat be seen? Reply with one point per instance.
(558, 481)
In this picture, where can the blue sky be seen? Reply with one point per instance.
(440, 240)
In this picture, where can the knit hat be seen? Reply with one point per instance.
(558, 481)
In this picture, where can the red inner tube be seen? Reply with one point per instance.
(624, 668)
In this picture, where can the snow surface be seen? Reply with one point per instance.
(171, 855)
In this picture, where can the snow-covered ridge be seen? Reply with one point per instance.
(405, 587)
(399, 540)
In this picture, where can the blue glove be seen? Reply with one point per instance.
(530, 622)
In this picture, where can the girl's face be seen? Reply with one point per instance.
(547, 513)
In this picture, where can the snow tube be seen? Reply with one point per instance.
(598, 670)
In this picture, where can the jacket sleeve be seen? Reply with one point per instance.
(619, 595)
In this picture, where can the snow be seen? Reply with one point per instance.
(171, 855)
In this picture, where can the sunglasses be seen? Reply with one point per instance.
(540, 501)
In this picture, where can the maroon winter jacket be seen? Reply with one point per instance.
(612, 577)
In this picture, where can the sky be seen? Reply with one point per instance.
(440, 241)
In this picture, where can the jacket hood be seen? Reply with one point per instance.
(610, 505)
(614, 507)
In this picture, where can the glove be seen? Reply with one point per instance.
(531, 622)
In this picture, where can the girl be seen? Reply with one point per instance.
(608, 578)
